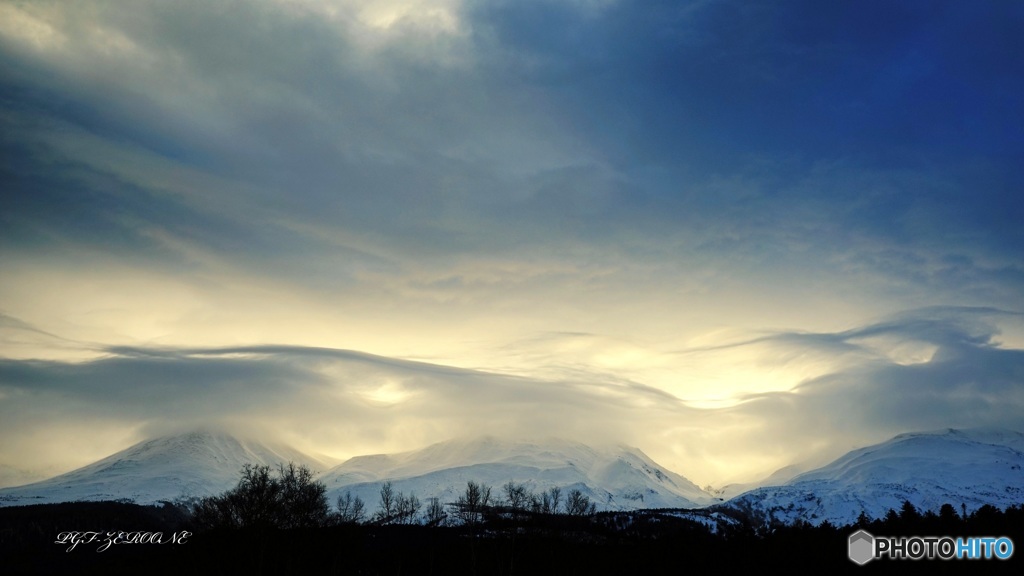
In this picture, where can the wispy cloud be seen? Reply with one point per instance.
(346, 402)
(676, 223)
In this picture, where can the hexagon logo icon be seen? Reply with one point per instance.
(861, 547)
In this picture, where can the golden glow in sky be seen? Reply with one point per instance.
(734, 238)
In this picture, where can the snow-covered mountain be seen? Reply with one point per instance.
(196, 464)
(970, 467)
(619, 478)
(780, 476)
(929, 469)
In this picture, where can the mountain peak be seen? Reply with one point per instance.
(193, 463)
(613, 477)
(928, 469)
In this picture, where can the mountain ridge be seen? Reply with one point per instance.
(963, 467)
(614, 478)
(177, 466)
(969, 467)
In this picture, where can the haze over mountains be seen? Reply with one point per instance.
(615, 478)
(969, 467)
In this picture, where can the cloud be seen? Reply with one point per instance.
(568, 204)
(337, 400)
(920, 370)
(277, 135)
(346, 402)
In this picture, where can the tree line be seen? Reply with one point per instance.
(293, 498)
(500, 530)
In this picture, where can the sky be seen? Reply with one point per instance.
(735, 235)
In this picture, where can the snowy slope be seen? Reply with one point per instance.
(973, 467)
(197, 464)
(618, 478)
(970, 467)
(780, 476)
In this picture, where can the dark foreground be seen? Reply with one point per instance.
(36, 540)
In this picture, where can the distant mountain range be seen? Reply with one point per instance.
(969, 467)
(617, 478)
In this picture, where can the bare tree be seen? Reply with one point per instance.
(518, 498)
(537, 503)
(469, 509)
(435, 513)
(388, 505)
(396, 508)
(554, 499)
(351, 510)
(516, 495)
(470, 506)
(578, 504)
(214, 512)
(303, 501)
(407, 508)
(256, 499)
(547, 502)
(292, 499)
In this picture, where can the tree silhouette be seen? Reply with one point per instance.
(303, 501)
(555, 499)
(350, 510)
(408, 508)
(388, 505)
(396, 508)
(549, 501)
(578, 504)
(255, 501)
(436, 515)
(470, 506)
(292, 499)
(517, 498)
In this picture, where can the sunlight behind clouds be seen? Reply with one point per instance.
(28, 26)
(731, 235)
(435, 15)
(439, 14)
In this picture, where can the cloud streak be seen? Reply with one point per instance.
(685, 225)
(343, 402)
